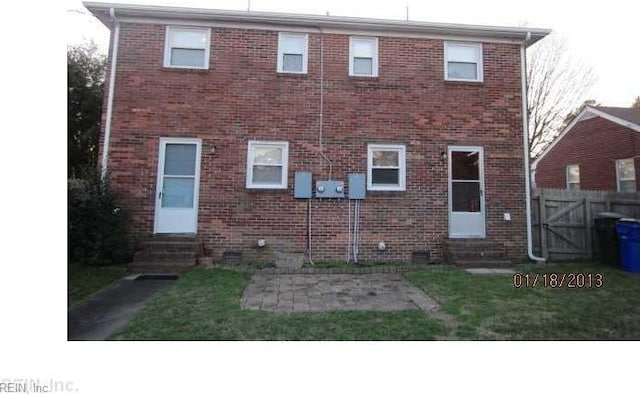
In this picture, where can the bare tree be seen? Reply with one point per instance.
(636, 103)
(557, 85)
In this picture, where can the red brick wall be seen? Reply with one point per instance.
(241, 98)
(595, 144)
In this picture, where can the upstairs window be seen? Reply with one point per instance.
(386, 167)
(363, 56)
(463, 61)
(626, 175)
(187, 47)
(267, 165)
(573, 177)
(292, 53)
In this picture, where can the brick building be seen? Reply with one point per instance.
(210, 114)
(598, 150)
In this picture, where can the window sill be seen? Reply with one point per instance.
(266, 190)
(364, 77)
(291, 75)
(386, 190)
(463, 81)
(263, 187)
(186, 70)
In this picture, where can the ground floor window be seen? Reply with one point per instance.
(267, 164)
(386, 168)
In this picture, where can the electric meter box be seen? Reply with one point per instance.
(329, 189)
(357, 186)
(302, 184)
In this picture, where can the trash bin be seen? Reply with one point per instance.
(604, 225)
(629, 235)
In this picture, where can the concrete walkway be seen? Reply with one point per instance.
(325, 292)
(490, 271)
(110, 310)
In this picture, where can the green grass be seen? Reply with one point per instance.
(490, 307)
(204, 304)
(84, 281)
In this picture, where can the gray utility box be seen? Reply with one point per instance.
(357, 186)
(329, 189)
(302, 184)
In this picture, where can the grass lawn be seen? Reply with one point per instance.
(83, 281)
(490, 307)
(205, 304)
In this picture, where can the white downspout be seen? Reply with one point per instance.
(527, 173)
(112, 79)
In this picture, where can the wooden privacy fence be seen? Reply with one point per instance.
(563, 220)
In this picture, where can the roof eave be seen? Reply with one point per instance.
(101, 11)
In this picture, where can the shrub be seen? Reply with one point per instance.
(97, 228)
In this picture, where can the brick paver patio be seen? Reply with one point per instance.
(324, 292)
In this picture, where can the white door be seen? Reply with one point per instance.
(466, 192)
(177, 186)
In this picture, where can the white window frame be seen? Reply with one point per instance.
(374, 60)
(282, 36)
(402, 167)
(284, 145)
(479, 62)
(619, 179)
(566, 176)
(167, 46)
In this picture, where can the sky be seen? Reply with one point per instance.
(602, 38)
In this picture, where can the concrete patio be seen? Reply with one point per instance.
(340, 292)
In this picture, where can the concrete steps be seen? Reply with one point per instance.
(474, 253)
(484, 263)
(160, 268)
(165, 255)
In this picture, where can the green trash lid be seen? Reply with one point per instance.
(610, 215)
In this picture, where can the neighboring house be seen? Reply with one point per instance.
(598, 150)
(213, 115)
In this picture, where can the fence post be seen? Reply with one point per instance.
(544, 250)
(588, 229)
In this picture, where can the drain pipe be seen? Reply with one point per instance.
(527, 171)
(112, 79)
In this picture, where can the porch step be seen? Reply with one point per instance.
(484, 263)
(160, 267)
(165, 254)
(168, 246)
(475, 253)
(469, 254)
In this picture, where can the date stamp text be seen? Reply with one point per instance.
(555, 280)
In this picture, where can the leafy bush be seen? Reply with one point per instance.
(97, 228)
